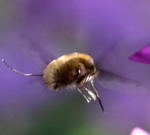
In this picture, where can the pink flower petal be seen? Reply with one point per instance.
(142, 56)
(139, 131)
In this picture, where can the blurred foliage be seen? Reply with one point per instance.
(65, 119)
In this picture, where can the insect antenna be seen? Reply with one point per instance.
(17, 71)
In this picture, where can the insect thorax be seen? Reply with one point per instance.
(62, 73)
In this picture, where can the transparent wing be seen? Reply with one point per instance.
(113, 81)
(110, 76)
(43, 52)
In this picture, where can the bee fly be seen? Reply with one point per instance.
(75, 70)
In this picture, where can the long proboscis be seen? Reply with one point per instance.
(17, 71)
(97, 96)
(100, 103)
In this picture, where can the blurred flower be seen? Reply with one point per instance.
(109, 31)
(142, 56)
(139, 131)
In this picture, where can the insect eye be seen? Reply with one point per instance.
(79, 71)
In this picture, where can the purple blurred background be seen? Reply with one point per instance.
(33, 32)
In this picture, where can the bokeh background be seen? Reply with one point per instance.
(33, 32)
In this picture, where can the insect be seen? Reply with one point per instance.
(75, 70)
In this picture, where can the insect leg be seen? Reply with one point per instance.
(17, 71)
(90, 93)
(86, 98)
(93, 87)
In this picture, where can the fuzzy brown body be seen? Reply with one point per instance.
(69, 70)
(72, 70)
